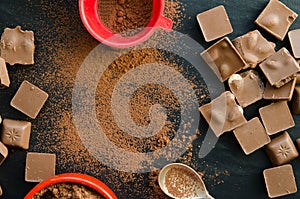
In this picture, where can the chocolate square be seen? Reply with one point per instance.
(280, 68)
(283, 93)
(39, 166)
(281, 150)
(280, 181)
(214, 23)
(294, 37)
(3, 152)
(16, 133)
(247, 87)
(223, 58)
(251, 136)
(29, 99)
(276, 117)
(296, 101)
(253, 47)
(17, 46)
(276, 18)
(223, 114)
(4, 78)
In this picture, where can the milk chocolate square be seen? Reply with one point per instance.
(16, 133)
(223, 114)
(276, 117)
(4, 78)
(251, 136)
(17, 46)
(296, 101)
(223, 58)
(247, 87)
(280, 68)
(39, 166)
(281, 150)
(214, 23)
(29, 99)
(283, 93)
(276, 18)
(294, 37)
(253, 47)
(280, 181)
(3, 152)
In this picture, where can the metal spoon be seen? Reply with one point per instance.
(174, 172)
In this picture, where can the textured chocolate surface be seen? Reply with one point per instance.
(294, 38)
(283, 93)
(3, 152)
(4, 78)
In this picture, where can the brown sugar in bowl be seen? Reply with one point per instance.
(75, 178)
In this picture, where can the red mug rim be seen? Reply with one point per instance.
(77, 178)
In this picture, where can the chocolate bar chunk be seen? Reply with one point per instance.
(280, 68)
(276, 18)
(276, 117)
(283, 93)
(298, 78)
(281, 150)
(247, 87)
(214, 23)
(223, 114)
(39, 166)
(3, 152)
(224, 59)
(298, 143)
(17, 46)
(296, 101)
(280, 181)
(294, 37)
(253, 47)
(29, 99)
(4, 78)
(251, 136)
(16, 133)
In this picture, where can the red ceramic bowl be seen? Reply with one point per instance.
(90, 17)
(76, 178)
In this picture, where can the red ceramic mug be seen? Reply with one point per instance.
(90, 17)
(75, 178)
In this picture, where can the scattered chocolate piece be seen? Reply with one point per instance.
(276, 117)
(294, 37)
(224, 59)
(29, 99)
(281, 150)
(280, 68)
(276, 18)
(280, 181)
(298, 143)
(17, 46)
(247, 87)
(39, 166)
(283, 93)
(1, 192)
(251, 136)
(3, 152)
(298, 78)
(214, 23)
(253, 47)
(296, 101)
(16, 133)
(4, 78)
(223, 114)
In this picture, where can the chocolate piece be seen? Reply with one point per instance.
(276, 18)
(280, 68)
(4, 78)
(298, 78)
(276, 117)
(223, 114)
(1, 192)
(296, 101)
(214, 23)
(253, 47)
(223, 58)
(280, 181)
(294, 37)
(16, 133)
(17, 46)
(298, 143)
(29, 99)
(39, 166)
(247, 87)
(281, 150)
(3, 152)
(251, 136)
(283, 93)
